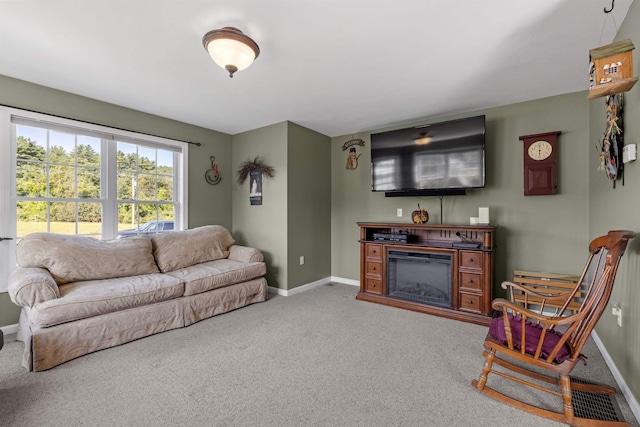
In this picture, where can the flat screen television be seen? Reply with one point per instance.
(438, 159)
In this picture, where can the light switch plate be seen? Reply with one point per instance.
(629, 153)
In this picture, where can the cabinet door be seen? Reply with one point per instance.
(470, 281)
(374, 251)
(470, 302)
(471, 259)
(373, 285)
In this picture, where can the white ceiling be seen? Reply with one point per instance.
(335, 66)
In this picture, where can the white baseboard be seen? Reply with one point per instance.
(9, 329)
(297, 290)
(308, 286)
(345, 281)
(631, 399)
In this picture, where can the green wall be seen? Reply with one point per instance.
(295, 216)
(540, 233)
(617, 208)
(207, 204)
(263, 226)
(309, 206)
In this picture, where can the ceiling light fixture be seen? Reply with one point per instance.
(231, 49)
(422, 139)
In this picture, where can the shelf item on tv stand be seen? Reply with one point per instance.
(471, 248)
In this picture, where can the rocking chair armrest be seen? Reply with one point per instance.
(502, 305)
(526, 290)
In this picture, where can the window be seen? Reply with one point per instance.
(76, 178)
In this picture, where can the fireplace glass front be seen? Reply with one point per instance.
(420, 276)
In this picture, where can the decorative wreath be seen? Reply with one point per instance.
(612, 141)
(246, 167)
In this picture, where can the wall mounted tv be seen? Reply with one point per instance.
(443, 158)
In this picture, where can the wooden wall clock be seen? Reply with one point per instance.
(540, 163)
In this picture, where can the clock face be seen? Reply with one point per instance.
(540, 150)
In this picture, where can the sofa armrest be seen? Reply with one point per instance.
(30, 285)
(245, 254)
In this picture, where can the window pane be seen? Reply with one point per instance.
(32, 217)
(127, 216)
(31, 179)
(146, 187)
(31, 143)
(88, 183)
(165, 162)
(127, 159)
(165, 188)
(126, 186)
(166, 212)
(62, 147)
(62, 217)
(146, 159)
(88, 151)
(89, 218)
(61, 181)
(147, 212)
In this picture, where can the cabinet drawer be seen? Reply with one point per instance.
(471, 281)
(374, 268)
(470, 259)
(470, 302)
(374, 251)
(373, 285)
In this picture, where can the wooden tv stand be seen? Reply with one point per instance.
(471, 249)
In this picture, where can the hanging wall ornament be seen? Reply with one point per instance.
(254, 169)
(352, 160)
(212, 176)
(612, 140)
(255, 164)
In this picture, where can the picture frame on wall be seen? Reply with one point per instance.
(255, 187)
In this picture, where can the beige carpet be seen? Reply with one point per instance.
(319, 358)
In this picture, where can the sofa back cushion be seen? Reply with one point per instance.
(71, 258)
(181, 249)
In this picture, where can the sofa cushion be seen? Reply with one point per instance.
(81, 300)
(180, 249)
(216, 274)
(71, 258)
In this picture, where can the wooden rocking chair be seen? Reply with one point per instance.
(525, 332)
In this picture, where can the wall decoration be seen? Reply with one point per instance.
(611, 69)
(212, 176)
(540, 163)
(420, 216)
(256, 163)
(254, 169)
(255, 191)
(612, 140)
(352, 160)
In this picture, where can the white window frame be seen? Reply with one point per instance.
(108, 165)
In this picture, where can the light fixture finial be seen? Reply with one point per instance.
(231, 49)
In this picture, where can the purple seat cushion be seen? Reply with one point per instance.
(532, 337)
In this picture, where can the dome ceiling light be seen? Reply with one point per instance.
(231, 49)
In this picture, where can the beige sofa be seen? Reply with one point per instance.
(79, 294)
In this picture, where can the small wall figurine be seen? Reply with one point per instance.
(352, 160)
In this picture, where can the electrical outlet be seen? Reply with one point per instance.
(616, 310)
(399, 212)
(302, 260)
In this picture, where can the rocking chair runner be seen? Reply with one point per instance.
(533, 337)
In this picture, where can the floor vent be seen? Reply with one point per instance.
(597, 406)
